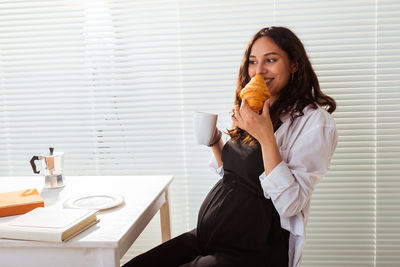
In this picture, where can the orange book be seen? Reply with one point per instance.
(19, 202)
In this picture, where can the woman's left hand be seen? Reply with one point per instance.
(256, 125)
(260, 127)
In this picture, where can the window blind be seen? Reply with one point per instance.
(388, 134)
(114, 85)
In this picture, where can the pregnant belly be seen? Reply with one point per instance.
(232, 217)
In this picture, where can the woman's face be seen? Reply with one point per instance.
(272, 63)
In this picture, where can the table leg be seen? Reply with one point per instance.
(165, 220)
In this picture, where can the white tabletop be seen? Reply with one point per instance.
(118, 227)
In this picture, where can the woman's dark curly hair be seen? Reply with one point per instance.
(301, 90)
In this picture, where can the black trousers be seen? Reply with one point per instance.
(182, 251)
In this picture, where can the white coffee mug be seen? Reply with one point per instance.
(204, 125)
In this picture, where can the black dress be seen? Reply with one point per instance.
(236, 218)
(237, 226)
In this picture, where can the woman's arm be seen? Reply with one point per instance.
(290, 184)
(260, 127)
(217, 147)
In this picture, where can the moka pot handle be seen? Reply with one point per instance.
(33, 164)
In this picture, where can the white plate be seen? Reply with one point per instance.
(97, 202)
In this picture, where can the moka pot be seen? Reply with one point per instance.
(52, 166)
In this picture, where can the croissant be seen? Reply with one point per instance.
(255, 93)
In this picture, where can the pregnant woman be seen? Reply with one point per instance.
(256, 215)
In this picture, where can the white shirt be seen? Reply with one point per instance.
(306, 148)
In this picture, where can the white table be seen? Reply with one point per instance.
(104, 243)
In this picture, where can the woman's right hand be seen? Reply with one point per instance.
(216, 137)
(216, 145)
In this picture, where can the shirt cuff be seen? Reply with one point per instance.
(214, 166)
(277, 180)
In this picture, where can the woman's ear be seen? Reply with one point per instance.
(293, 67)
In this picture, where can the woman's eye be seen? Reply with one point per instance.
(270, 60)
(252, 62)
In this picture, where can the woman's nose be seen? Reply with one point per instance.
(260, 69)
